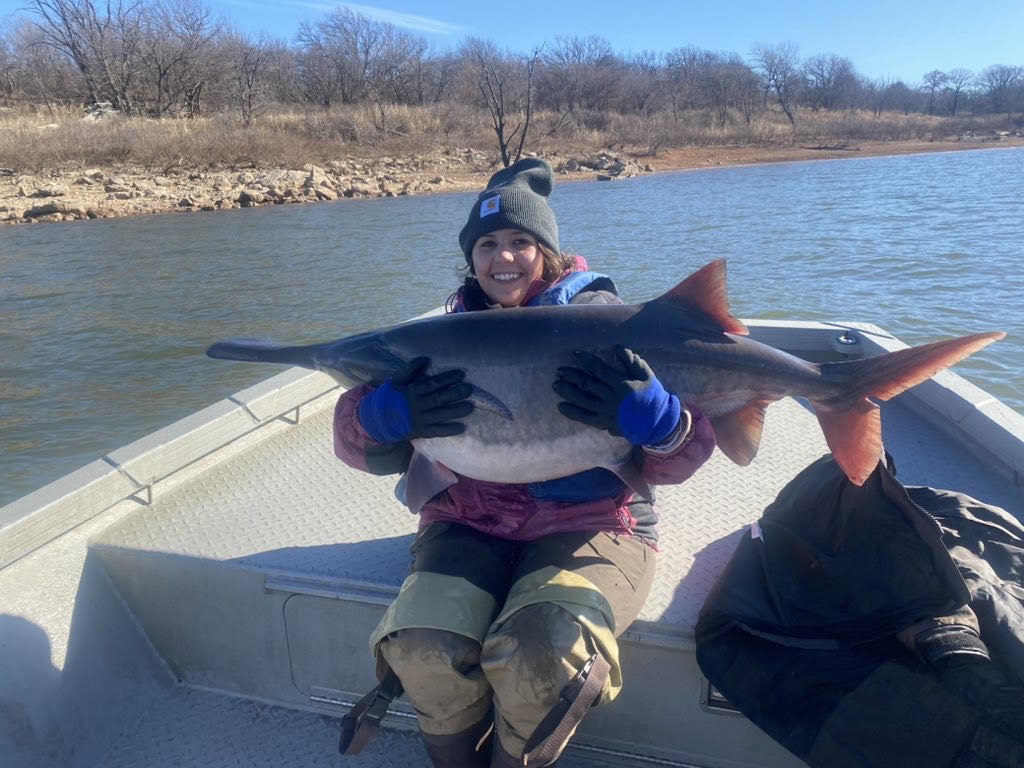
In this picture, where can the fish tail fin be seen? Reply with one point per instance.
(852, 423)
(261, 351)
(854, 436)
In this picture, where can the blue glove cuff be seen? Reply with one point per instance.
(385, 415)
(648, 416)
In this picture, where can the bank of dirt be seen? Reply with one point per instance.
(104, 192)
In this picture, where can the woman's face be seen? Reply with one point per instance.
(506, 262)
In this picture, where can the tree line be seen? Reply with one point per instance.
(174, 58)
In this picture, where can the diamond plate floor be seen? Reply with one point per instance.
(198, 729)
(288, 505)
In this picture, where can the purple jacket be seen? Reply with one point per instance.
(595, 500)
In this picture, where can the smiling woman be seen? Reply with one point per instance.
(517, 581)
(510, 240)
(506, 262)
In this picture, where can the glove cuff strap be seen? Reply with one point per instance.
(678, 437)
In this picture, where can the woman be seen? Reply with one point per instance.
(507, 624)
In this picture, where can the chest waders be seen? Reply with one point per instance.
(573, 590)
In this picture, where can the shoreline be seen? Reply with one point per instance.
(99, 192)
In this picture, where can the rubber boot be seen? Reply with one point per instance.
(470, 748)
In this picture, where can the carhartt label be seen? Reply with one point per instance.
(490, 205)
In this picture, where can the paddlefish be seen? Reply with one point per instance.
(688, 336)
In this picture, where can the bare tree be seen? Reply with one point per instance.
(335, 55)
(35, 72)
(358, 41)
(959, 81)
(249, 59)
(876, 93)
(504, 82)
(391, 72)
(102, 41)
(831, 82)
(724, 83)
(685, 68)
(997, 83)
(746, 87)
(643, 84)
(901, 96)
(320, 73)
(779, 66)
(434, 78)
(178, 37)
(580, 73)
(931, 83)
(8, 67)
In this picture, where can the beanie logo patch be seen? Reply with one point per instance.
(490, 206)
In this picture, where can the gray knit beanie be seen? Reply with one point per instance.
(516, 198)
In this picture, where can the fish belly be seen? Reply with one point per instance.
(527, 461)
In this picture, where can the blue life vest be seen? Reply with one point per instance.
(594, 483)
(566, 289)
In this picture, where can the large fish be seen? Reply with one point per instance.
(688, 336)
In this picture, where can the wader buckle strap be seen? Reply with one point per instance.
(578, 695)
(363, 720)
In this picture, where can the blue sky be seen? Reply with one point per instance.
(898, 39)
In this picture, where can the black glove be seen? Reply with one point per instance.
(411, 404)
(626, 398)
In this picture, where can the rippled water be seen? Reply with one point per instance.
(103, 323)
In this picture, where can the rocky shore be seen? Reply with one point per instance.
(96, 193)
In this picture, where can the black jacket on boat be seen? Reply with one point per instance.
(799, 631)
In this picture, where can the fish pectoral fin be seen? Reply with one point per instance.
(422, 481)
(630, 475)
(854, 436)
(485, 401)
(738, 433)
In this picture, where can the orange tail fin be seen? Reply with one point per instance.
(852, 423)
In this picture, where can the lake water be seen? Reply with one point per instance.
(103, 323)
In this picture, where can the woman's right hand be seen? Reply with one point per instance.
(412, 405)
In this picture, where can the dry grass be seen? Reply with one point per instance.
(36, 141)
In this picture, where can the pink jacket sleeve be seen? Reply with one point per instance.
(675, 467)
(350, 440)
(356, 448)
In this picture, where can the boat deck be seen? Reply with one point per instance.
(290, 507)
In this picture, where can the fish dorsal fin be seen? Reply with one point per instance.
(739, 433)
(705, 291)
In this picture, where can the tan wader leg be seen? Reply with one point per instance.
(442, 677)
(431, 635)
(574, 594)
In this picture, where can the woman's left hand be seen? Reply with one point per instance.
(626, 398)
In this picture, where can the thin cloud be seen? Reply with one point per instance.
(405, 20)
